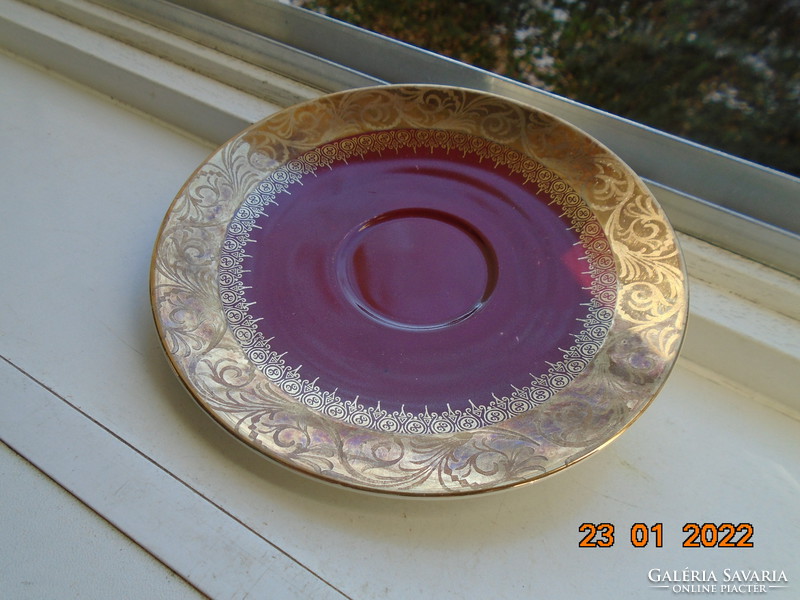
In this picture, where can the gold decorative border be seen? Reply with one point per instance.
(598, 405)
(596, 320)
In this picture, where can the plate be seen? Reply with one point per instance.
(419, 290)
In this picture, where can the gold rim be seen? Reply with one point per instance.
(624, 376)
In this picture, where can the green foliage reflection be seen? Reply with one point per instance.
(724, 73)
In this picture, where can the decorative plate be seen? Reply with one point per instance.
(419, 290)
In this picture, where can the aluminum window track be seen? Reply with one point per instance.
(737, 205)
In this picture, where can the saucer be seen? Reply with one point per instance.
(419, 290)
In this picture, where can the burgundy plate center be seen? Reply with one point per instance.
(416, 268)
(418, 283)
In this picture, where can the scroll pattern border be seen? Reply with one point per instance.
(602, 401)
(596, 322)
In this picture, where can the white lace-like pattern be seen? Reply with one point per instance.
(596, 322)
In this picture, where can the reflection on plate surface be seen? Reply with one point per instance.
(419, 290)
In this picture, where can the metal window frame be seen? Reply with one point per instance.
(732, 203)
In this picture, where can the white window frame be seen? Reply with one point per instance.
(744, 324)
(734, 204)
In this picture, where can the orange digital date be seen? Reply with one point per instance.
(707, 535)
(601, 535)
(597, 536)
(724, 535)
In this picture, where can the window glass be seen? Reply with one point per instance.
(723, 73)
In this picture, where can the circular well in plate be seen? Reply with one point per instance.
(420, 287)
(253, 390)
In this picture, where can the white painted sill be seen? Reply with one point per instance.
(744, 318)
(135, 449)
